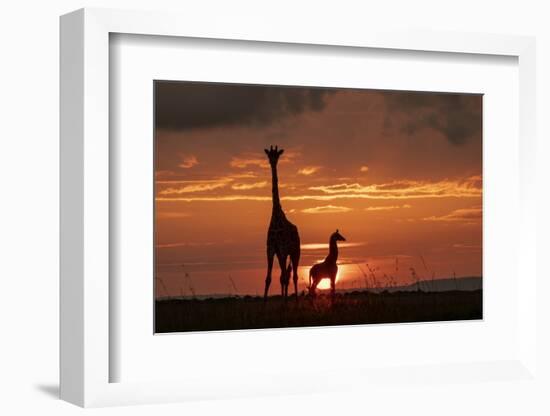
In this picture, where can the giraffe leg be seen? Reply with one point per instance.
(332, 285)
(283, 279)
(288, 272)
(295, 260)
(313, 287)
(287, 277)
(268, 277)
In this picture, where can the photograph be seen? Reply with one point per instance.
(279, 206)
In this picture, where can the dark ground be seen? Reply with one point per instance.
(181, 315)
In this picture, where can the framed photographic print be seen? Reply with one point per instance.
(368, 209)
(338, 196)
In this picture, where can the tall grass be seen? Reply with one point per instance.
(163, 285)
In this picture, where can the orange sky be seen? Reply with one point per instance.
(398, 173)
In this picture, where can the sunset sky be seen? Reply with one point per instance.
(398, 173)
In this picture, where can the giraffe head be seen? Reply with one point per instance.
(336, 236)
(273, 155)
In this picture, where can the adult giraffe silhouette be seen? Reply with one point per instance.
(283, 239)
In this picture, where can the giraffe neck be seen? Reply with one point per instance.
(332, 250)
(275, 190)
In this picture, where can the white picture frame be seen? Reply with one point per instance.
(85, 355)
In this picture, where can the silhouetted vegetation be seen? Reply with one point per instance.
(353, 308)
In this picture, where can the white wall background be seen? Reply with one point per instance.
(29, 199)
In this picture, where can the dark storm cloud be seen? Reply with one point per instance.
(456, 116)
(187, 105)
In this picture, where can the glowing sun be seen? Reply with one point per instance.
(325, 283)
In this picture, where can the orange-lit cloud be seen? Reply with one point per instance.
(309, 170)
(243, 175)
(242, 162)
(469, 187)
(188, 162)
(364, 169)
(200, 186)
(172, 178)
(246, 160)
(396, 190)
(327, 209)
(214, 198)
(467, 215)
(324, 246)
(171, 245)
(247, 186)
(387, 207)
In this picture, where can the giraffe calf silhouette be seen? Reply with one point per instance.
(327, 269)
